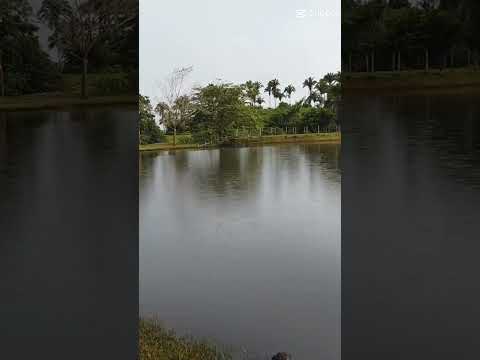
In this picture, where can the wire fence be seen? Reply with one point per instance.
(272, 131)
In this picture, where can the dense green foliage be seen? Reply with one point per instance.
(99, 36)
(218, 113)
(400, 34)
(24, 67)
(93, 35)
(149, 131)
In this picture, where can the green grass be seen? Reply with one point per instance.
(101, 91)
(169, 146)
(289, 138)
(71, 83)
(254, 140)
(181, 139)
(156, 343)
(412, 79)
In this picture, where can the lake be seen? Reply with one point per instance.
(410, 225)
(69, 233)
(242, 246)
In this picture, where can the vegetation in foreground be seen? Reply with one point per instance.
(219, 113)
(156, 343)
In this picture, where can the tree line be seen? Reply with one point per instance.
(214, 113)
(395, 35)
(86, 35)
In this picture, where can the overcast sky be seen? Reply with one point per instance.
(237, 41)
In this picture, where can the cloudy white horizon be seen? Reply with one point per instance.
(238, 41)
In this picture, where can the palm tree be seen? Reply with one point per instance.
(268, 89)
(330, 78)
(279, 95)
(323, 87)
(309, 83)
(289, 90)
(273, 85)
(252, 90)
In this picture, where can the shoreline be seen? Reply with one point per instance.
(331, 138)
(413, 80)
(58, 101)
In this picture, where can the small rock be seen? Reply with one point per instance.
(282, 356)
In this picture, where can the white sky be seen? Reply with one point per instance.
(236, 41)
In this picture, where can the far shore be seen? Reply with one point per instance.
(59, 100)
(334, 138)
(411, 80)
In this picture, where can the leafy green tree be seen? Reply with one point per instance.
(219, 109)
(400, 34)
(81, 27)
(176, 108)
(149, 131)
(177, 116)
(17, 35)
(252, 91)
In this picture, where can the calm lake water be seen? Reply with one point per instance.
(69, 234)
(242, 246)
(411, 226)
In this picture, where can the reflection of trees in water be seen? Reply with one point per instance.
(241, 172)
(219, 171)
(327, 155)
(223, 171)
(434, 131)
(18, 135)
(146, 163)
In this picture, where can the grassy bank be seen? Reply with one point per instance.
(103, 89)
(53, 101)
(414, 80)
(250, 141)
(156, 343)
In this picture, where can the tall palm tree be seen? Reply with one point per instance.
(309, 83)
(268, 89)
(289, 90)
(323, 87)
(273, 85)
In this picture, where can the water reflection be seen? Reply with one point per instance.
(410, 195)
(68, 229)
(243, 245)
